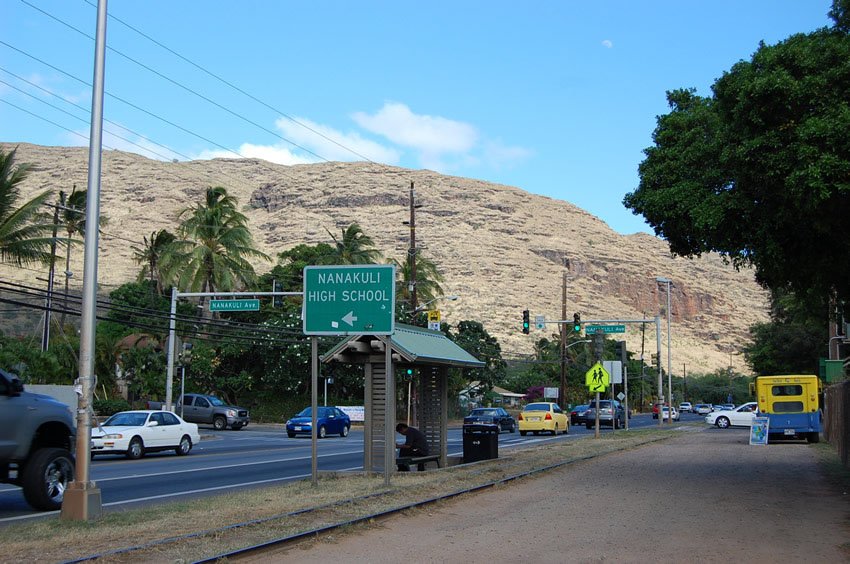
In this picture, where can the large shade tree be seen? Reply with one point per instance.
(760, 171)
(25, 234)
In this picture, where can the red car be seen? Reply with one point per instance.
(655, 409)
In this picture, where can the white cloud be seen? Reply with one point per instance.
(432, 135)
(271, 153)
(500, 156)
(335, 145)
(607, 43)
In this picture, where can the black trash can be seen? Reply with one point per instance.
(480, 442)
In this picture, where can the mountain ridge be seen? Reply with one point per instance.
(500, 248)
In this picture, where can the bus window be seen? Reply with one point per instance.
(789, 390)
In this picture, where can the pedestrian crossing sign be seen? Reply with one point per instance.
(597, 378)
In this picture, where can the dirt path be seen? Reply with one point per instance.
(705, 496)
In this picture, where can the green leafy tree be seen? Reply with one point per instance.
(31, 364)
(792, 341)
(289, 271)
(213, 246)
(353, 247)
(758, 172)
(474, 339)
(428, 288)
(25, 235)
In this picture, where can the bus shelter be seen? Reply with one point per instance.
(430, 354)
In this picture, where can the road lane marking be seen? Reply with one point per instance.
(224, 466)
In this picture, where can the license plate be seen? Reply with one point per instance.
(790, 432)
(297, 428)
(534, 419)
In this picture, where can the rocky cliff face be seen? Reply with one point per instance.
(500, 248)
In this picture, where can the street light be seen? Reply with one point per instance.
(576, 343)
(424, 306)
(668, 282)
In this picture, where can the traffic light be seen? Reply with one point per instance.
(620, 350)
(526, 321)
(577, 322)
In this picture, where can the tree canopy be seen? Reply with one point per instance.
(760, 171)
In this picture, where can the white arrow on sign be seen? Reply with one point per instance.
(349, 318)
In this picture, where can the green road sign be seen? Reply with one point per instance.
(349, 300)
(234, 305)
(591, 329)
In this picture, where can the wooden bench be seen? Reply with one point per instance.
(420, 461)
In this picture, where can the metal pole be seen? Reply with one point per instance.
(389, 430)
(314, 409)
(624, 358)
(182, 386)
(669, 362)
(172, 338)
(82, 498)
(412, 251)
(660, 377)
(326, 391)
(598, 350)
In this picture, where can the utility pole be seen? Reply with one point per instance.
(411, 253)
(48, 302)
(642, 363)
(563, 328)
(660, 377)
(598, 346)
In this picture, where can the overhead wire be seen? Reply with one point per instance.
(179, 85)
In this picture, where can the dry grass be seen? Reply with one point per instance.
(55, 540)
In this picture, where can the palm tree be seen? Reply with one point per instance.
(353, 247)
(153, 255)
(25, 236)
(213, 247)
(428, 280)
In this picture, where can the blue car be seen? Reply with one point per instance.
(331, 421)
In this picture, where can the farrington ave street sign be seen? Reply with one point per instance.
(234, 305)
(349, 300)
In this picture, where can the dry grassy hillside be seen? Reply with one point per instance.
(500, 248)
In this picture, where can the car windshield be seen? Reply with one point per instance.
(580, 408)
(215, 401)
(126, 420)
(483, 412)
(537, 407)
(308, 412)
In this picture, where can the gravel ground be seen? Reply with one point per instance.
(705, 496)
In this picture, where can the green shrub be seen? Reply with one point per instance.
(107, 407)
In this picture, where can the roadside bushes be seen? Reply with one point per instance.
(107, 407)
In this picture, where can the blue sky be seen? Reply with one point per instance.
(558, 98)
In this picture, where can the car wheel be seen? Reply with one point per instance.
(46, 476)
(512, 428)
(813, 437)
(722, 422)
(136, 449)
(344, 432)
(219, 423)
(290, 435)
(523, 433)
(323, 432)
(555, 430)
(185, 446)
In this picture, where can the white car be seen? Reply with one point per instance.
(685, 407)
(133, 433)
(741, 416)
(665, 413)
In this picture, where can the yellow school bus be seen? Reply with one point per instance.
(791, 404)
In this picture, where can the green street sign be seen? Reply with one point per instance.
(591, 329)
(234, 305)
(349, 300)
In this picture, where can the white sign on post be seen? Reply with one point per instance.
(550, 393)
(615, 369)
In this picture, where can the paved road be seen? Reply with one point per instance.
(224, 461)
(704, 496)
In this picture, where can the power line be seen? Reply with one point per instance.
(178, 84)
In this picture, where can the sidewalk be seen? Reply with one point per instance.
(705, 496)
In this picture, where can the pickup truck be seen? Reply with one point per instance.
(202, 408)
(36, 443)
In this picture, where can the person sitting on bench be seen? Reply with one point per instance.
(413, 446)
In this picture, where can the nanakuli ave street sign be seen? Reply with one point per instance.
(591, 329)
(235, 305)
(349, 300)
